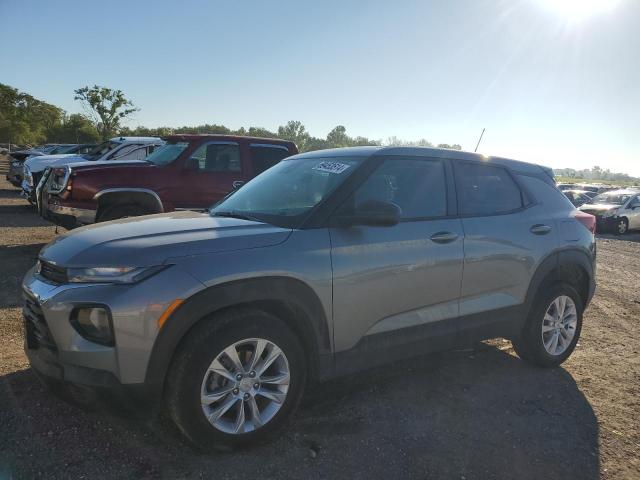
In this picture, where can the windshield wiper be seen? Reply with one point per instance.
(241, 216)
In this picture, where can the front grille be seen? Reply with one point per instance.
(53, 272)
(36, 329)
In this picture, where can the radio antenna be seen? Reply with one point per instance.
(479, 140)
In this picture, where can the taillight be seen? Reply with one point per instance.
(589, 221)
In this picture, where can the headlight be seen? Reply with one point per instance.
(610, 213)
(112, 274)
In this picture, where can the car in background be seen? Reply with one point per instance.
(188, 172)
(16, 164)
(328, 263)
(617, 211)
(566, 186)
(118, 148)
(577, 197)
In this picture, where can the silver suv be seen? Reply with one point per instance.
(328, 263)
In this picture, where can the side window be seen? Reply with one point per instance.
(416, 185)
(635, 202)
(264, 157)
(124, 153)
(485, 190)
(218, 157)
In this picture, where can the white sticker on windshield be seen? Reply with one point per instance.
(331, 167)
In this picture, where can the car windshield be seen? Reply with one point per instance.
(611, 199)
(167, 153)
(100, 150)
(287, 192)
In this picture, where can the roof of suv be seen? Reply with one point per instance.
(134, 139)
(198, 136)
(515, 165)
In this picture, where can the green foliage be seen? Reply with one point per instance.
(106, 106)
(25, 119)
(594, 174)
(75, 128)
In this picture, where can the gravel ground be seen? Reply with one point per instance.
(477, 413)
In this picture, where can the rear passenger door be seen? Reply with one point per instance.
(506, 235)
(395, 281)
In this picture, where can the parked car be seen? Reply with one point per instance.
(118, 148)
(566, 186)
(578, 197)
(617, 211)
(16, 165)
(189, 172)
(327, 263)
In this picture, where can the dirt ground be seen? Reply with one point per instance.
(479, 413)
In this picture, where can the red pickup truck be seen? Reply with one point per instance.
(188, 172)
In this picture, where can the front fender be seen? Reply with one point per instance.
(295, 294)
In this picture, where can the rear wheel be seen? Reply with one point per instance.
(553, 327)
(122, 211)
(236, 379)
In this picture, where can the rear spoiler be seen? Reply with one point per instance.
(549, 172)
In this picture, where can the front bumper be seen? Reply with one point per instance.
(606, 224)
(58, 353)
(68, 217)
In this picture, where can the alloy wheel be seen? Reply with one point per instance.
(622, 227)
(559, 325)
(245, 386)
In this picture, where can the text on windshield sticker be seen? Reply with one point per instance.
(331, 167)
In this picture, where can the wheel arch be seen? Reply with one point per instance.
(291, 300)
(149, 199)
(572, 266)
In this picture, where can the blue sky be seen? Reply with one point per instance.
(555, 86)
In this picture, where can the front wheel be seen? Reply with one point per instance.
(622, 226)
(552, 328)
(236, 379)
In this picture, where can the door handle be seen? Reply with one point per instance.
(540, 229)
(237, 184)
(444, 237)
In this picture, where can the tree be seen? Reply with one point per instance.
(106, 107)
(338, 137)
(74, 128)
(295, 131)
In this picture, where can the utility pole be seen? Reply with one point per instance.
(479, 140)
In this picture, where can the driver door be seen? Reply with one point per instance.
(632, 212)
(390, 282)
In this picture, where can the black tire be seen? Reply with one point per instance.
(194, 356)
(529, 346)
(122, 211)
(621, 227)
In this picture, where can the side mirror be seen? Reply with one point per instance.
(372, 213)
(192, 163)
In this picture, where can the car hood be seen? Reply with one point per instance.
(596, 208)
(38, 164)
(153, 239)
(111, 163)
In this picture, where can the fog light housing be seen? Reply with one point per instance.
(94, 323)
